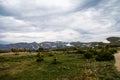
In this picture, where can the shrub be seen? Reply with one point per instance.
(88, 55)
(55, 61)
(18, 50)
(39, 57)
(104, 56)
(93, 51)
(113, 51)
(80, 51)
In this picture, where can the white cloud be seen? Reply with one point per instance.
(10, 24)
(66, 20)
(64, 35)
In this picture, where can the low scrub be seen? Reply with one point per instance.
(113, 51)
(100, 55)
(88, 55)
(80, 51)
(104, 56)
(55, 61)
(39, 57)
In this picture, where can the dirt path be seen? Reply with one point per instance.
(117, 59)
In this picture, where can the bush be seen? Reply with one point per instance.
(39, 57)
(55, 61)
(113, 51)
(104, 56)
(88, 55)
(80, 51)
(18, 50)
(93, 51)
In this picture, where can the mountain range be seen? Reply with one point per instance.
(57, 44)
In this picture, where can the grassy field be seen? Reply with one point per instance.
(70, 66)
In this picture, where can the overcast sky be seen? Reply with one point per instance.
(58, 20)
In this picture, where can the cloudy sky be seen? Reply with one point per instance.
(58, 20)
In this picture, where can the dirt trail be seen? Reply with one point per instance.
(117, 61)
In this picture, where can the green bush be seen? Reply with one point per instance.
(18, 50)
(113, 51)
(104, 56)
(39, 57)
(88, 55)
(80, 51)
(95, 52)
(55, 61)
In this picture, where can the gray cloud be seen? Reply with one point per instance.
(67, 20)
(3, 12)
(88, 4)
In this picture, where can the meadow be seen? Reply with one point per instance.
(55, 65)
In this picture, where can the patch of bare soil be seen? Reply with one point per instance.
(117, 60)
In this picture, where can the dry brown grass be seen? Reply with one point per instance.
(117, 60)
(17, 53)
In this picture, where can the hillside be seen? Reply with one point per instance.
(114, 41)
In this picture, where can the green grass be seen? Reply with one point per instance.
(70, 67)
